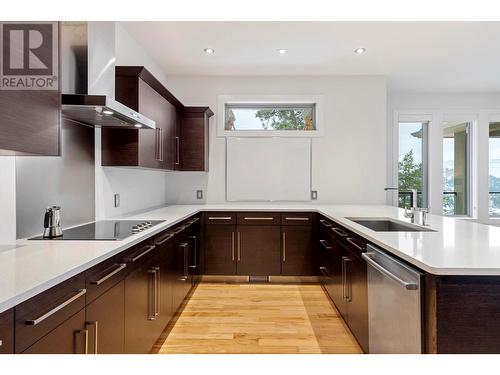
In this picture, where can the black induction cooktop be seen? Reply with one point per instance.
(105, 230)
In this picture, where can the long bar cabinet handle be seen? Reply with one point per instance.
(339, 232)
(239, 246)
(284, 247)
(119, 267)
(40, 319)
(232, 246)
(147, 249)
(94, 323)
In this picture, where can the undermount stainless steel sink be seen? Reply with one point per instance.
(383, 224)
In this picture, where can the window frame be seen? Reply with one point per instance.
(470, 125)
(270, 100)
(425, 121)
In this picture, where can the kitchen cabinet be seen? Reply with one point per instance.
(182, 280)
(138, 89)
(192, 139)
(357, 299)
(105, 322)
(70, 337)
(7, 332)
(180, 139)
(141, 308)
(219, 250)
(297, 245)
(41, 314)
(31, 120)
(350, 291)
(258, 250)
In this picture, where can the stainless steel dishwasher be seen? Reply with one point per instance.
(394, 304)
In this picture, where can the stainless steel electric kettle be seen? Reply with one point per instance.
(52, 222)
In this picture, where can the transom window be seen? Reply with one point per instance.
(269, 117)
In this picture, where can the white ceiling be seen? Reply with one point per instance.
(415, 56)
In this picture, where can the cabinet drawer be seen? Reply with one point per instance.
(220, 218)
(293, 218)
(356, 244)
(7, 332)
(258, 218)
(39, 315)
(139, 254)
(103, 276)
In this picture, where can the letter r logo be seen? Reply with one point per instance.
(27, 49)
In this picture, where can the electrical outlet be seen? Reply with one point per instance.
(199, 194)
(117, 200)
(314, 195)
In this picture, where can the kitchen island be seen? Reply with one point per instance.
(460, 260)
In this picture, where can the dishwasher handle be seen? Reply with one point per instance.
(405, 284)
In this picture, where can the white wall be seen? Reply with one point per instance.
(7, 200)
(138, 189)
(478, 107)
(348, 162)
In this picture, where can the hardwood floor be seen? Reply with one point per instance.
(258, 318)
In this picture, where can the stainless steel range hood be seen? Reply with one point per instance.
(88, 78)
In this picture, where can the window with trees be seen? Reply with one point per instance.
(290, 116)
(412, 162)
(456, 168)
(494, 169)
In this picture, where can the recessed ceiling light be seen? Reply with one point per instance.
(282, 51)
(107, 112)
(360, 50)
(138, 125)
(209, 51)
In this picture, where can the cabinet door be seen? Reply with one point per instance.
(106, 322)
(7, 332)
(357, 297)
(149, 140)
(194, 255)
(168, 125)
(166, 285)
(70, 337)
(258, 250)
(192, 142)
(182, 282)
(219, 249)
(296, 251)
(140, 329)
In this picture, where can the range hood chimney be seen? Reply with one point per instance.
(88, 78)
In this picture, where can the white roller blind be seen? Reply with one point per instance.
(268, 169)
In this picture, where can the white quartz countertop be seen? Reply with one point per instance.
(457, 247)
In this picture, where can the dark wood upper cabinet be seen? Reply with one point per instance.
(31, 121)
(180, 140)
(192, 139)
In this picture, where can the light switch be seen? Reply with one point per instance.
(199, 194)
(314, 195)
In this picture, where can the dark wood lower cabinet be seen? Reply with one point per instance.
(182, 279)
(106, 322)
(258, 250)
(357, 298)
(296, 251)
(7, 332)
(141, 331)
(71, 337)
(219, 250)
